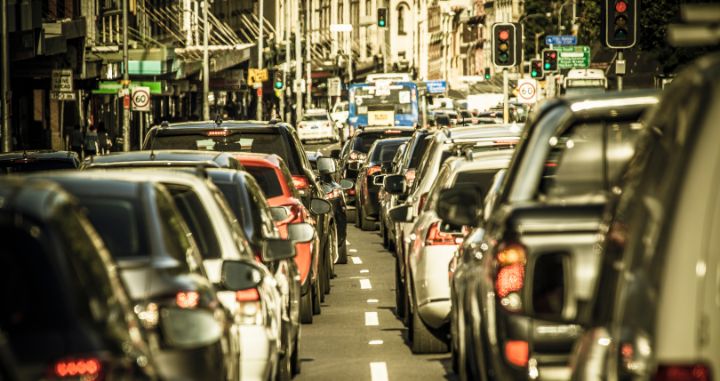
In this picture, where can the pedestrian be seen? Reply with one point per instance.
(76, 140)
(91, 141)
(104, 141)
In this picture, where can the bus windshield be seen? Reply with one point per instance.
(397, 102)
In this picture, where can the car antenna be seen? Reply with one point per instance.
(201, 171)
(163, 124)
(218, 119)
(468, 154)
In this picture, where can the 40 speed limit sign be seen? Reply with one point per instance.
(527, 91)
(141, 98)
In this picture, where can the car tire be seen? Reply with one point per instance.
(284, 368)
(342, 253)
(295, 358)
(399, 294)
(365, 224)
(357, 214)
(317, 291)
(383, 233)
(423, 339)
(306, 307)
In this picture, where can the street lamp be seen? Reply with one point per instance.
(560, 12)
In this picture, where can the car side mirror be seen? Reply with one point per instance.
(394, 184)
(400, 213)
(239, 275)
(326, 166)
(279, 213)
(335, 154)
(320, 206)
(346, 184)
(277, 249)
(459, 206)
(378, 180)
(301, 232)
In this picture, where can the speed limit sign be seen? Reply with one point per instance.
(527, 91)
(141, 98)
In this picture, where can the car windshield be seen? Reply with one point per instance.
(267, 179)
(315, 118)
(479, 180)
(35, 165)
(120, 224)
(384, 151)
(363, 142)
(236, 142)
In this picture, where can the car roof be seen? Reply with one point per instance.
(160, 157)
(106, 183)
(184, 127)
(316, 111)
(259, 158)
(39, 155)
(456, 134)
(34, 198)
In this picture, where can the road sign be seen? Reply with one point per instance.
(299, 85)
(561, 40)
(527, 90)
(62, 81)
(571, 57)
(141, 98)
(341, 27)
(257, 75)
(436, 87)
(62, 96)
(334, 87)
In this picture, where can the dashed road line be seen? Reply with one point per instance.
(356, 260)
(364, 271)
(365, 284)
(375, 342)
(372, 319)
(373, 301)
(353, 250)
(378, 371)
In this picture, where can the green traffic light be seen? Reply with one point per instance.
(381, 22)
(278, 85)
(487, 76)
(533, 73)
(547, 66)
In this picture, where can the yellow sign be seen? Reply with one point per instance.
(257, 75)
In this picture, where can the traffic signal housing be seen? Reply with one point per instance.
(278, 83)
(382, 17)
(487, 74)
(536, 69)
(620, 23)
(549, 61)
(504, 42)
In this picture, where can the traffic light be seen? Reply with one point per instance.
(382, 17)
(550, 61)
(620, 23)
(504, 38)
(487, 73)
(536, 69)
(278, 82)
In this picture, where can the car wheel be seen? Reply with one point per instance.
(399, 294)
(342, 253)
(365, 224)
(306, 308)
(316, 297)
(295, 358)
(383, 233)
(357, 213)
(408, 310)
(423, 339)
(284, 371)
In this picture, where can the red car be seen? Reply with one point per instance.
(279, 186)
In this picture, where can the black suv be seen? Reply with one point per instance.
(257, 137)
(32, 161)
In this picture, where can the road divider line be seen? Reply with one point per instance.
(364, 271)
(378, 371)
(373, 301)
(353, 250)
(356, 260)
(365, 284)
(375, 342)
(372, 319)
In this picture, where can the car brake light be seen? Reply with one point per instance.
(409, 177)
(301, 183)
(187, 299)
(373, 170)
(436, 237)
(421, 202)
(351, 192)
(392, 132)
(511, 254)
(675, 372)
(249, 295)
(88, 368)
(510, 142)
(218, 133)
(509, 279)
(516, 352)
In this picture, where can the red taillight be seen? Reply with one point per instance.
(301, 182)
(421, 202)
(511, 254)
(373, 170)
(187, 299)
(509, 279)
(437, 237)
(696, 372)
(249, 295)
(409, 177)
(351, 192)
(88, 368)
(516, 352)
(218, 133)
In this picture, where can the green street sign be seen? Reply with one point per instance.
(572, 57)
(112, 87)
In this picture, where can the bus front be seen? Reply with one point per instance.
(383, 105)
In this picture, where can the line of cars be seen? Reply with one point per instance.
(198, 258)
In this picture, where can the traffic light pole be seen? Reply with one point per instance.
(126, 80)
(261, 20)
(506, 100)
(5, 91)
(620, 69)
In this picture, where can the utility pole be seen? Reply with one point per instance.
(286, 64)
(261, 5)
(506, 100)
(298, 63)
(5, 96)
(620, 69)
(206, 63)
(126, 80)
(308, 57)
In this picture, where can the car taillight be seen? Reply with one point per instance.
(356, 155)
(351, 192)
(437, 237)
(333, 194)
(301, 183)
(511, 259)
(187, 299)
(677, 372)
(409, 177)
(218, 133)
(85, 368)
(516, 352)
(249, 295)
(421, 202)
(373, 170)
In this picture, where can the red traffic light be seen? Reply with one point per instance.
(504, 35)
(553, 55)
(621, 6)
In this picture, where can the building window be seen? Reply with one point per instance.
(401, 10)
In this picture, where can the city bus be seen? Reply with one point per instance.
(584, 81)
(383, 104)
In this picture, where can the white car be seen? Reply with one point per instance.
(435, 244)
(316, 125)
(339, 115)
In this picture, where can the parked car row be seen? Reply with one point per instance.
(198, 258)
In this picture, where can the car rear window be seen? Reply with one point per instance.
(35, 166)
(385, 151)
(267, 179)
(480, 180)
(418, 151)
(315, 118)
(236, 142)
(120, 224)
(363, 142)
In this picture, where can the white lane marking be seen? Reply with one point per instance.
(356, 260)
(364, 271)
(348, 242)
(375, 342)
(353, 250)
(378, 371)
(365, 284)
(371, 319)
(373, 301)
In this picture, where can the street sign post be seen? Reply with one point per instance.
(62, 88)
(571, 57)
(561, 40)
(334, 87)
(436, 86)
(141, 98)
(527, 91)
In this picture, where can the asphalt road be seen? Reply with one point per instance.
(357, 336)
